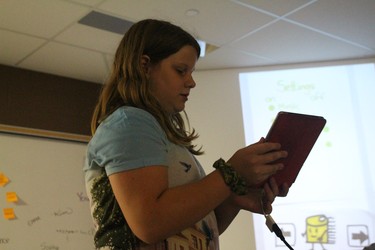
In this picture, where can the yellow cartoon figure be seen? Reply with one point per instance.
(319, 229)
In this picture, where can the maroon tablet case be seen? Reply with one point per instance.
(297, 134)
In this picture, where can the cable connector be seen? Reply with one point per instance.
(269, 222)
(273, 227)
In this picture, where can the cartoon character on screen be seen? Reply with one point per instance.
(319, 229)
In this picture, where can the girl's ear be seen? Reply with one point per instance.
(145, 63)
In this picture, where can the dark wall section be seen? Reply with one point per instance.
(42, 101)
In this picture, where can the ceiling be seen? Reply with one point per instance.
(46, 35)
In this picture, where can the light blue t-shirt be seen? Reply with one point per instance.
(131, 138)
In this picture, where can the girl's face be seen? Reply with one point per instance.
(171, 79)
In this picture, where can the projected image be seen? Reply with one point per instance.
(331, 205)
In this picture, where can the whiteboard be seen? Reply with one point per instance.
(51, 208)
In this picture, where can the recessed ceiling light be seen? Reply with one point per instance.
(192, 12)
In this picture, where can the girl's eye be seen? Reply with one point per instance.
(181, 71)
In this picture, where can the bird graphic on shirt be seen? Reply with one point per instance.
(187, 166)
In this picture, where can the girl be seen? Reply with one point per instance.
(146, 188)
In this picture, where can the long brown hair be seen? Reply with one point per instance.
(128, 84)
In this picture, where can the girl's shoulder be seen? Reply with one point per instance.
(127, 115)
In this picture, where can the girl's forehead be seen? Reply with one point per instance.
(186, 55)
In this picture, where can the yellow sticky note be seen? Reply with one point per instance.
(3, 179)
(9, 213)
(12, 197)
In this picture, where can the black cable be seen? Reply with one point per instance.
(273, 227)
(279, 233)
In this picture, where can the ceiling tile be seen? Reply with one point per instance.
(277, 7)
(80, 64)
(351, 20)
(218, 22)
(234, 58)
(296, 44)
(90, 38)
(45, 35)
(15, 47)
(42, 18)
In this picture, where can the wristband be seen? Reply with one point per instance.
(236, 183)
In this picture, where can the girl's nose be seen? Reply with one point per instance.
(190, 82)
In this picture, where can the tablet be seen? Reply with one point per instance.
(297, 134)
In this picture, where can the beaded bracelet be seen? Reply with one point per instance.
(236, 183)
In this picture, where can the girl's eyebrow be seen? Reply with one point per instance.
(179, 64)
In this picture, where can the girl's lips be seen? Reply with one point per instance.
(185, 96)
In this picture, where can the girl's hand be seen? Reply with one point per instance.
(255, 163)
(260, 200)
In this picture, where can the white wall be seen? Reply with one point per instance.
(214, 110)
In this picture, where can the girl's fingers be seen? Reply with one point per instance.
(269, 195)
(284, 190)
